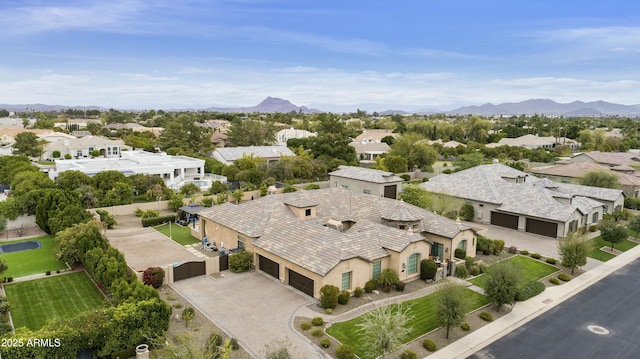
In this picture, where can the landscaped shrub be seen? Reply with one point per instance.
(147, 222)
(551, 261)
(9, 279)
(370, 286)
(498, 246)
(345, 352)
(428, 269)
(47, 272)
(106, 218)
(408, 354)
(467, 213)
(486, 316)
(325, 343)
(461, 272)
(153, 276)
(593, 228)
(241, 261)
(429, 344)
(388, 278)
(564, 277)
(524, 252)
(317, 333)
(465, 326)
(289, 189)
(305, 326)
(329, 296)
(138, 212)
(400, 286)
(357, 292)
(554, 280)
(536, 255)
(328, 310)
(468, 261)
(460, 253)
(311, 186)
(233, 343)
(4, 307)
(529, 290)
(474, 270)
(484, 245)
(344, 296)
(512, 250)
(5, 328)
(482, 266)
(150, 213)
(187, 315)
(214, 340)
(317, 321)
(406, 177)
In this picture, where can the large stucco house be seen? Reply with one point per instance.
(506, 197)
(308, 239)
(366, 180)
(228, 155)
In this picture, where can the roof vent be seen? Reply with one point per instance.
(337, 225)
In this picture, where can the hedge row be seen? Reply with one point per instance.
(530, 290)
(153, 221)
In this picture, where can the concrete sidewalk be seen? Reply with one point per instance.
(523, 312)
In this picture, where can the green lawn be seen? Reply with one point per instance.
(35, 302)
(178, 233)
(598, 243)
(33, 261)
(532, 270)
(424, 320)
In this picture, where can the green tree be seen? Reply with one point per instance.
(384, 329)
(237, 195)
(251, 133)
(72, 180)
(574, 251)
(417, 196)
(104, 180)
(67, 217)
(600, 178)
(395, 164)
(121, 193)
(421, 156)
(28, 144)
(613, 233)
(467, 213)
(176, 201)
(189, 189)
(502, 282)
(27, 181)
(634, 225)
(52, 203)
(469, 160)
(73, 243)
(218, 187)
(451, 306)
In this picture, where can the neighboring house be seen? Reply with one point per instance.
(448, 144)
(374, 136)
(366, 180)
(172, 169)
(309, 239)
(228, 155)
(611, 159)
(506, 197)
(135, 127)
(286, 134)
(56, 136)
(534, 141)
(570, 172)
(219, 139)
(8, 135)
(368, 152)
(83, 147)
(221, 126)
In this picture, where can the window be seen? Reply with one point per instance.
(115, 150)
(412, 264)
(437, 250)
(346, 281)
(595, 217)
(606, 209)
(79, 153)
(109, 151)
(307, 212)
(463, 244)
(402, 226)
(241, 244)
(367, 191)
(376, 270)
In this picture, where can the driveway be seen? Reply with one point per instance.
(251, 307)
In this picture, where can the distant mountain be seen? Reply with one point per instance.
(551, 108)
(268, 105)
(45, 108)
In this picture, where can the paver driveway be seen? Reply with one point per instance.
(252, 307)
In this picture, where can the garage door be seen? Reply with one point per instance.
(268, 266)
(300, 282)
(391, 191)
(544, 228)
(504, 220)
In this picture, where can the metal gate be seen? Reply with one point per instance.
(188, 270)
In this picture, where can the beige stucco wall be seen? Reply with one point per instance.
(450, 245)
(377, 189)
(130, 208)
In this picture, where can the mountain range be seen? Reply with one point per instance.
(529, 107)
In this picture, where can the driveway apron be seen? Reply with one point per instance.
(251, 307)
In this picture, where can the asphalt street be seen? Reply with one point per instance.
(602, 322)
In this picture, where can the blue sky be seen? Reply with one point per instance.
(333, 55)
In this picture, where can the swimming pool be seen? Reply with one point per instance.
(20, 246)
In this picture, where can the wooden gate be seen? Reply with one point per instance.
(224, 262)
(188, 270)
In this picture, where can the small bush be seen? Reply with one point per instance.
(317, 321)
(408, 354)
(465, 326)
(430, 345)
(311, 186)
(400, 286)
(536, 255)
(241, 261)
(593, 228)
(564, 277)
(289, 189)
(554, 280)
(524, 252)
(177, 305)
(406, 177)
(357, 292)
(328, 310)
(551, 261)
(325, 343)
(153, 276)
(215, 340)
(428, 269)
(329, 296)
(512, 250)
(187, 315)
(460, 253)
(498, 246)
(233, 343)
(388, 278)
(461, 272)
(529, 290)
(138, 212)
(468, 261)
(9, 279)
(474, 270)
(345, 352)
(305, 326)
(344, 297)
(150, 213)
(4, 307)
(147, 222)
(483, 267)
(370, 286)
(47, 272)
(486, 316)
(317, 333)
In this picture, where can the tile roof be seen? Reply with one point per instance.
(231, 154)
(577, 170)
(613, 158)
(375, 147)
(365, 174)
(312, 245)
